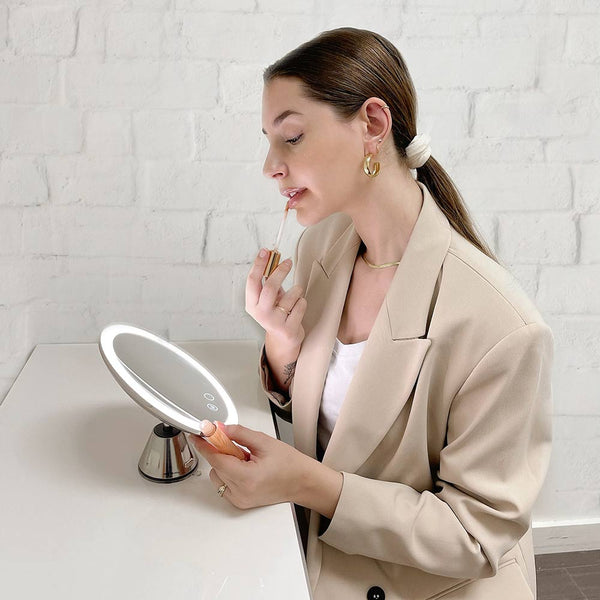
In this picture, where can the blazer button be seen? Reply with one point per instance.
(375, 593)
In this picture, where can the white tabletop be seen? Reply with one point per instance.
(78, 521)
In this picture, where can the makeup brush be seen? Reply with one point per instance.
(275, 255)
(214, 436)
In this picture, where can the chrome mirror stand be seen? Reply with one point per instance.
(168, 457)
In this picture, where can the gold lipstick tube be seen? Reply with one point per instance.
(275, 255)
(272, 263)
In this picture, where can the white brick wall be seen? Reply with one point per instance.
(42, 31)
(131, 183)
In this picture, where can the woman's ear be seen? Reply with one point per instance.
(378, 121)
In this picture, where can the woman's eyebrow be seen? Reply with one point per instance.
(282, 116)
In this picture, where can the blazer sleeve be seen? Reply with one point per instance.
(281, 399)
(497, 451)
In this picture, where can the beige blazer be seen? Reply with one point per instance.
(444, 436)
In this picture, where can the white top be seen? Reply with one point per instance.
(342, 365)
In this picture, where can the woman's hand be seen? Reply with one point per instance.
(274, 473)
(262, 302)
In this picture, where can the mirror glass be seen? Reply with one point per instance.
(164, 379)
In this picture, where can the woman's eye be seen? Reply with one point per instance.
(293, 141)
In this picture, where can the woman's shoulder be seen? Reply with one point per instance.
(486, 286)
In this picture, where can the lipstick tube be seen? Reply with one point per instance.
(275, 255)
(214, 436)
(274, 258)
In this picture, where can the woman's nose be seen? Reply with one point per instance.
(273, 167)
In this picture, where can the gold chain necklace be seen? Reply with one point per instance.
(389, 264)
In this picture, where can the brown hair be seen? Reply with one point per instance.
(346, 66)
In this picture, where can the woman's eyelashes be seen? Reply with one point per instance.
(293, 141)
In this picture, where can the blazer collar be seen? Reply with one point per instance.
(408, 299)
(394, 352)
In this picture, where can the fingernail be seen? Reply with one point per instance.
(262, 253)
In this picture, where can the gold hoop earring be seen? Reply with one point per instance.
(367, 166)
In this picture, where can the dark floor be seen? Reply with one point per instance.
(568, 576)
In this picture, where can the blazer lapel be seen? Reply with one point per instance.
(381, 385)
(328, 282)
(394, 352)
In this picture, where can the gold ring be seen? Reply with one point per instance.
(222, 489)
(285, 310)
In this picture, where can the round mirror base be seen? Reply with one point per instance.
(167, 480)
(167, 457)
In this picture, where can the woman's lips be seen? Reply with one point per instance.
(296, 198)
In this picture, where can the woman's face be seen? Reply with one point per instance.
(312, 150)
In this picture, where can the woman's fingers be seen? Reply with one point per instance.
(218, 481)
(271, 286)
(243, 435)
(270, 305)
(255, 289)
(254, 281)
(288, 299)
(294, 320)
(202, 446)
(212, 475)
(280, 295)
(226, 429)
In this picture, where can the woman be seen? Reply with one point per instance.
(416, 369)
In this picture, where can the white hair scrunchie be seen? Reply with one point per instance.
(418, 151)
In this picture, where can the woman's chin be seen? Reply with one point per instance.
(302, 218)
(307, 217)
(306, 220)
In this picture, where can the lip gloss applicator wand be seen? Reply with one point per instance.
(275, 255)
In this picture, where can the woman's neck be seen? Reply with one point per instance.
(385, 220)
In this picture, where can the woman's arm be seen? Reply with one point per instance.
(275, 472)
(277, 359)
(281, 362)
(319, 487)
(490, 473)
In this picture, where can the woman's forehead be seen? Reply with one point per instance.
(283, 101)
(279, 96)
(289, 100)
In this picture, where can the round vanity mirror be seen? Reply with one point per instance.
(174, 387)
(164, 379)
